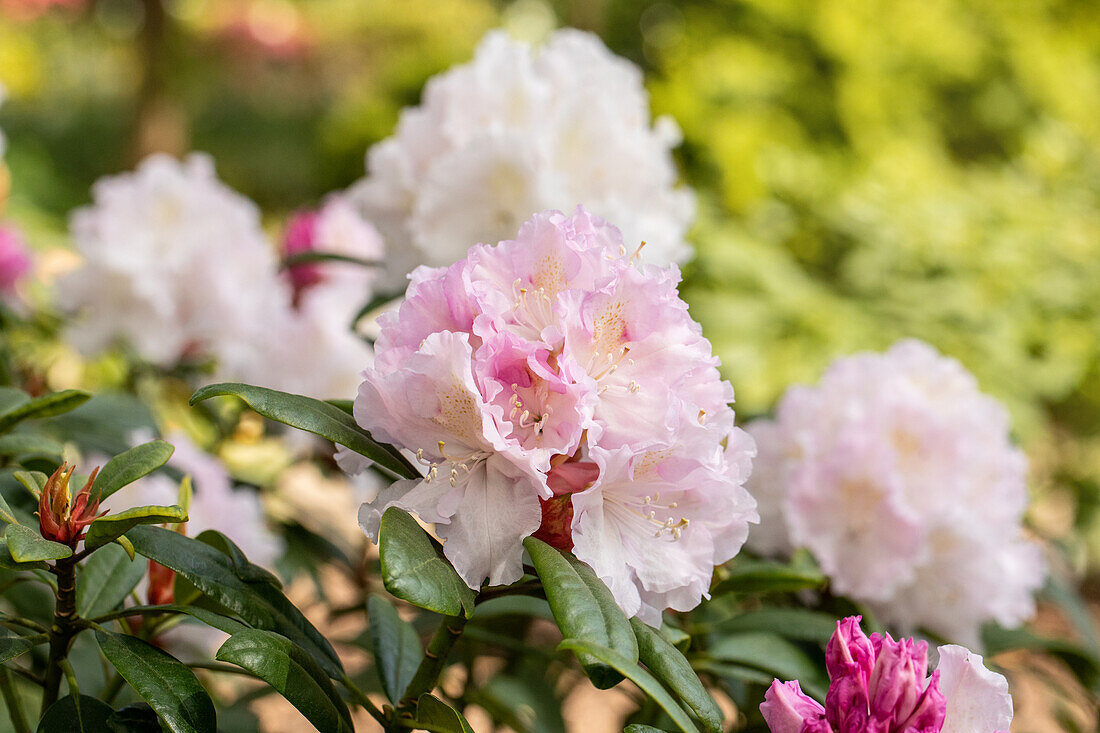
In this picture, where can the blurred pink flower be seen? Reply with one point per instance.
(15, 260)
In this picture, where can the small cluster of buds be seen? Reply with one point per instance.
(60, 518)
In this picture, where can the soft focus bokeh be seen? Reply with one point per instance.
(866, 171)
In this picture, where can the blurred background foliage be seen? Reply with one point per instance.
(866, 170)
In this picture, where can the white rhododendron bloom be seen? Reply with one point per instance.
(518, 130)
(176, 266)
(901, 478)
(552, 385)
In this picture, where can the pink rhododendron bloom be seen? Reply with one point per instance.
(15, 260)
(551, 385)
(881, 685)
(901, 478)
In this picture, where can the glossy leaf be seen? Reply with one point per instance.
(584, 609)
(768, 576)
(27, 545)
(210, 618)
(109, 528)
(774, 655)
(293, 673)
(415, 571)
(313, 416)
(170, 688)
(128, 467)
(432, 714)
(635, 674)
(245, 569)
(45, 406)
(639, 728)
(32, 481)
(396, 647)
(92, 716)
(669, 666)
(105, 579)
(12, 645)
(261, 605)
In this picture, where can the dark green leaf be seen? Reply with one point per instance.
(396, 647)
(414, 571)
(27, 545)
(105, 579)
(635, 674)
(12, 645)
(313, 416)
(63, 716)
(768, 576)
(125, 468)
(246, 570)
(109, 528)
(584, 609)
(136, 718)
(432, 714)
(170, 688)
(347, 406)
(669, 666)
(210, 618)
(774, 655)
(513, 606)
(293, 673)
(45, 406)
(676, 636)
(735, 671)
(261, 605)
(639, 728)
(21, 444)
(800, 624)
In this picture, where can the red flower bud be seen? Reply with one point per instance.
(59, 517)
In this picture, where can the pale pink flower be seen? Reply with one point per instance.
(882, 685)
(548, 383)
(901, 478)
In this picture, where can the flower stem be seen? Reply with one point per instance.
(63, 630)
(435, 659)
(11, 699)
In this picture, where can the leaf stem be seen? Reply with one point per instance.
(11, 699)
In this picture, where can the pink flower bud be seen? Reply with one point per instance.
(787, 709)
(897, 680)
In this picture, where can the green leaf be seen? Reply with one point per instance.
(6, 514)
(261, 605)
(800, 624)
(1079, 659)
(523, 702)
(584, 609)
(135, 718)
(293, 673)
(774, 655)
(635, 674)
(246, 570)
(736, 671)
(396, 647)
(210, 618)
(92, 716)
(21, 444)
(11, 399)
(105, 579)
(26, 545)
(313, 256)
(768, 576)
(12, 645)
(313, 416)
(639, 728)
(128, 467)
(32, 481)
(8, 562)
(170, 688)
(669, 666)
(513, 606)
(415, 571)
(126, 546)
(432, 714)
(45, 406)
(109, 528)
(676, 636)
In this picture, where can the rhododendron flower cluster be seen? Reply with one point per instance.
(551, 384)
(879, 684)
(178, 268)
(900, 477)
(519, 130)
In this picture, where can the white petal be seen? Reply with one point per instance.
(977, 698)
